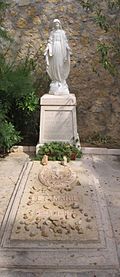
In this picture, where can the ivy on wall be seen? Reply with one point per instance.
(106, 15)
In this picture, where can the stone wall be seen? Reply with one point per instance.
(98, 97)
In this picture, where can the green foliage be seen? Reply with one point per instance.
(103, 50)
(114, 4)
(101, 20)
(106, 15)
(109, 51)
(98, 139)
(87, 5)
(42, 80)
(8, 135)
(18, 97)
(56, 150)
(17, 94)
(16, 86)
(30, 102)
(3, 32)
(3, 5)
(16, 81)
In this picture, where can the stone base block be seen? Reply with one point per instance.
(58, 119)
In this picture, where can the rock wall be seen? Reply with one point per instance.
(97, 93)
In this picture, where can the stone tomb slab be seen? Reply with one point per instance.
(59, 218)
(55, 207)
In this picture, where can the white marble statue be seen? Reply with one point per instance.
(57, 54)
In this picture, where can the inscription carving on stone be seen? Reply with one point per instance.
(64, 198)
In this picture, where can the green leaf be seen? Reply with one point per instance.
(56, 150)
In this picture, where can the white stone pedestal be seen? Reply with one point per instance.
(57, 119)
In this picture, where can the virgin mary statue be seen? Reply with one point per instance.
(57, 55)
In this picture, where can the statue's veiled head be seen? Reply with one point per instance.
(57, 24)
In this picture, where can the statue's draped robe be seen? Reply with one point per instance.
(58, 56)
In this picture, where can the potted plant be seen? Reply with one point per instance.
(57, 150)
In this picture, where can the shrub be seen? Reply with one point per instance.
(8, 135)
(18, 98)
(17, 90)
(56, 151)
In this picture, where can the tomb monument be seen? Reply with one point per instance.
(58, 107)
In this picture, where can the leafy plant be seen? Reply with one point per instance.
(56, 150)
(101, 20)
(18, 96)
(103, 50)
(3, 32)
(106, 15)
(16, 85)
(8, 135)
(114, 4)
(87, 5)
(18, 93)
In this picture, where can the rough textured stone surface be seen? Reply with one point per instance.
(93, 260)
(98, 98)
(110, 181)
(8, 179)
(67, 215)
(59, 274)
